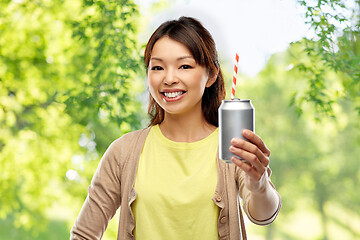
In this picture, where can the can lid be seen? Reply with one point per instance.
(237, 100)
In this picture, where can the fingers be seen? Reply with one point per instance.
(255, 153)
(251, 158)
(250, 152)
(255, 139)
(247, 168)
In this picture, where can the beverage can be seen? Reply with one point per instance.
(234, 116)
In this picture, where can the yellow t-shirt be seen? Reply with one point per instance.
(175, 183)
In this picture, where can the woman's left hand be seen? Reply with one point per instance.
(255, 157)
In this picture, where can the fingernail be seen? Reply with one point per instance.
(246, 132)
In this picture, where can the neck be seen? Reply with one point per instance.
(186, 128)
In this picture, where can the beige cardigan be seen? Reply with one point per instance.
(112, 187)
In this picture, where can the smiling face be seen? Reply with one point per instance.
(176, 81)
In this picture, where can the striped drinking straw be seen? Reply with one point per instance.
(234, 76)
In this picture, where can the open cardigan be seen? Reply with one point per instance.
(112, 187)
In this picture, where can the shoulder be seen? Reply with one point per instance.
(129, 140)
(132, 142)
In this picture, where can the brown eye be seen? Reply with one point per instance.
(185, 67)
(156, 68)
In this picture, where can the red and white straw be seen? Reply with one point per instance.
(234, 76)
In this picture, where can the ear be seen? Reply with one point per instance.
(212, 79)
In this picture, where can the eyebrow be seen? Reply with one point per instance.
(178, 59)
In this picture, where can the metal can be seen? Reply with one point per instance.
(234, 116)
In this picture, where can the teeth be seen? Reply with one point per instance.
(172, 94)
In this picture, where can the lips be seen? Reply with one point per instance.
(173, 94)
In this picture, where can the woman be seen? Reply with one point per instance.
(167, 178)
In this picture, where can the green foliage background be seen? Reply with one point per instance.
(72, 81)
(68, 87)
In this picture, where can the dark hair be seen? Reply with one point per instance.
(200, 43)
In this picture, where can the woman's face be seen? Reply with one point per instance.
(176, 81)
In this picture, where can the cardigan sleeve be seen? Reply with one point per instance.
(244, 193)
(103, 199)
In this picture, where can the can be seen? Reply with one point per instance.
(234, 116)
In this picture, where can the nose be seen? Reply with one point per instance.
(170, 77)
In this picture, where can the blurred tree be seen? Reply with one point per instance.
(288, 137)
(312, 162)
(336, 46)
(68, 87)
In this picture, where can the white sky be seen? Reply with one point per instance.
(254, 29)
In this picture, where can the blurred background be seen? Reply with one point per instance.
(72, 80)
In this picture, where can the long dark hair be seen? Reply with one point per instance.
(199, 41)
